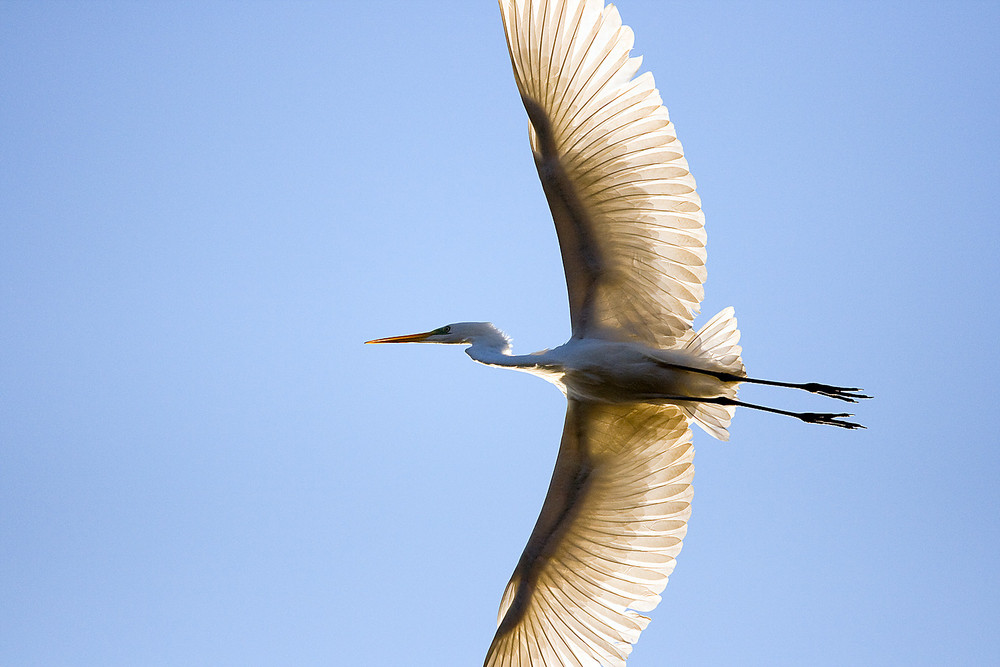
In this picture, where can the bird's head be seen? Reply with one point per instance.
(469, 333)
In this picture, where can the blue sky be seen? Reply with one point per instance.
(206, 208)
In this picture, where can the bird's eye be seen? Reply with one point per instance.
(444, 330)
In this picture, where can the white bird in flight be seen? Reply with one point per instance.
(635, 372)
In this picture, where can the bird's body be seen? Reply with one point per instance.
(600, 370)
(635, 372)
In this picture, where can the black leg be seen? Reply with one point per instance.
(828, 418)
(849, 394)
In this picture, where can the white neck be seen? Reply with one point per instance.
(491, 346)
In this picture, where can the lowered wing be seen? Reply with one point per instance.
(605, 541)
(629, 221)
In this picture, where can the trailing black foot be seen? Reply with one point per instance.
(849, 394)
(828, 418)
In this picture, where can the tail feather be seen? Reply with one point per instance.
(718, 343)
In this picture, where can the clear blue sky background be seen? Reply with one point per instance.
(207, 207)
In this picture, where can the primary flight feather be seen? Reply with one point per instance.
(635, 372)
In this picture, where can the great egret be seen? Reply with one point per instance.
(635, 372)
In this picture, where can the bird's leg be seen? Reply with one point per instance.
(849, 394)
(828, 418)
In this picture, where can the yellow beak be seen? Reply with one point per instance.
(409, 338)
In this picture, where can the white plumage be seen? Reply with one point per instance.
(635, 372)
(616, 144)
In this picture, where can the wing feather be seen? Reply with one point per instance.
(628, 217)
(606, 539)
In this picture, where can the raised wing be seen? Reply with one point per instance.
(605, 541)
(629, 221)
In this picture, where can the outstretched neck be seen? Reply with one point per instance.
(490, 346)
